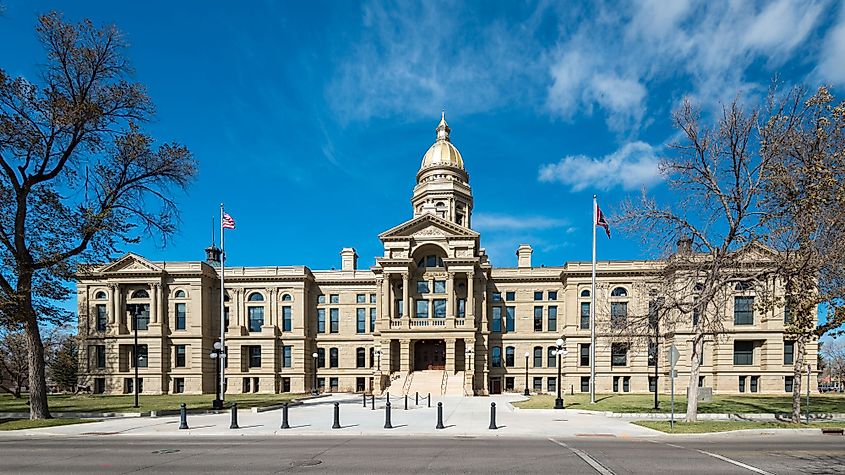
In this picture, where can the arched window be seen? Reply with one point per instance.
(743, 285)
(180, 294)
(538, 356)
(509, 357)
(619, 292)
(140, 294)
(286, 298)
(100, 295)
(256, 297)
(585, 293)
(496, 356)
(440, 207)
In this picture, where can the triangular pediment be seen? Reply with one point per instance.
(428, 225)
(131, 263)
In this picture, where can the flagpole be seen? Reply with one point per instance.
(593, 311)
(223, 352)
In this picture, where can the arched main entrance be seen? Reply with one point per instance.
(429, 354)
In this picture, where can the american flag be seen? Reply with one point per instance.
(601, 221)
(228, 221)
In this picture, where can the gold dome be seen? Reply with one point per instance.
(442, 152)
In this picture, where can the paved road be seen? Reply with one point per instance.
(734, 454)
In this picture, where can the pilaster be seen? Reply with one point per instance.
(406, 360)
(450, 355)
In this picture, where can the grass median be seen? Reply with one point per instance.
(721, 404)
(147, 403)
(19, 424)
(703, 427)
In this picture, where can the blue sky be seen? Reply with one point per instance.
(309, 119)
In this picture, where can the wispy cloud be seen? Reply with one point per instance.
(633, 166)
(502, 222)
(831, 68)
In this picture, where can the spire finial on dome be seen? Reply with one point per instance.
(443, 128)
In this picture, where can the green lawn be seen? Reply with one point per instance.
(123, 403)
(723, 426)
(719, 405)
(18, 424)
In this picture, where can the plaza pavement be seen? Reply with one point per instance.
(462, 416)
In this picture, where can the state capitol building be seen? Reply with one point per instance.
(432, 315)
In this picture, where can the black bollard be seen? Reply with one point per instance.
(493, 416)
(387, 424)
(365, 399)
(406, 402)
(417, 399)
(234, 424)
(285, 424)
(440, 416)
(336, 424)
(429, 399)
(183, 416)
(373, 403)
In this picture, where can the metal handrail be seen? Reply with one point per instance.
(443, 383)
(407, 384)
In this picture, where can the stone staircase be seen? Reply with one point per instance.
(436, 382)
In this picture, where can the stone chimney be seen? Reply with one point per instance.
(523, 254)
(348, 259)
(685, 245)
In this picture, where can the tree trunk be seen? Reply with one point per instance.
(695, 370)
(797, 373)
(38, 408)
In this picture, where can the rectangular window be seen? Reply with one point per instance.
(585, 315)
(550, 357)
(509, 386)
(496, 297)
(361, 298)
(334, 298)
(372, 298)
(553, 295)
(701, 381)
(141, 315)
(180, 356)
(422, 309)
(400, 308)
(99, 385)
(439, 286)
(142, 356)
(496, 322)
(128, 388)
(372, 320)
(510, 296)
(618, 354)
(742, 384)
(551, 384)
(584, 354)
(360, 385)
(652, 384)
(509, 357)
(178, 385)
(256, 318)
(618, 314)
(285, 385)
(333, 384)
(254, 356)
(321, 320)
(321, 384)
(743, 352)
(538, 383)
(287, 356)
(510, 320)
(652, 353)
(538, 296)
(439, 308)
(180, 316)
(788, 352)
(361, 320)
(333, 358)
(743, 310)
(321, 298)
(422, 287)
(496, 357)
(626, 384)
(101, 356)
(360, 357)
(755, 383)
(462, 308)
(226, 317)
(616, 384)
(538, 357)
(321, 358)
(538, 319)
(787, 311)
(552, 319)
(102, 317)
(372, 357)
(585, 384)
(287, 319)
(788, 382)
(334, 320)
(247, 385)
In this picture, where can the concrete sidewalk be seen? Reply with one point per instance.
(462, 416)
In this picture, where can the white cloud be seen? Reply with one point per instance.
(493, 222)
(831, 68)
(633, 166)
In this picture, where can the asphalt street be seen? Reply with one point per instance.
(776, 454)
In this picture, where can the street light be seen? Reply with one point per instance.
(314, 388)
(378, 356)
(560, 352)
(526, 393)
(217, 354)
(469, 368)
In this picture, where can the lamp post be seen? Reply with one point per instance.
(314, 387)
(378, 357)
(469, 367)
(217, 354)
(526, 392)
(135, 312)
(560, 352)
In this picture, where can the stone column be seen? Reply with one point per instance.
(450, 296)
(450, 355)
(272, 310)
(406, 292)
(470, 310)
(406, 360)
(155, 288)
(469, 366)
(380, 302)
(115, 303)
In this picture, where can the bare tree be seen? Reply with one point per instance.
(716, 175)
(804, 208)
(78, 176)
(13, 361)
(833, 353)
